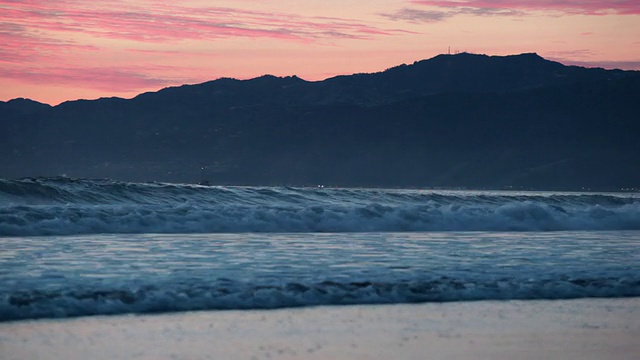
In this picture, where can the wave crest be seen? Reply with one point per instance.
(228, 295)
(66, 206)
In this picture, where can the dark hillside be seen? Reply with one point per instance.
(451, 121)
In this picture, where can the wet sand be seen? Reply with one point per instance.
(565, 329)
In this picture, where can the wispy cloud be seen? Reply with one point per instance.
(581, 57)
(49, 42)
(605, 64)
(19, 45)
(573, 54)
(158, 22)
(111, 79)
(584, 7)
(439, 10)
(416, 15)
(427, 16)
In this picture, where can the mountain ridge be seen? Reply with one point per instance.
(530, 58)
(462, 120)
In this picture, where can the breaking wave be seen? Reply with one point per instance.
(225, 294)
(62, 206)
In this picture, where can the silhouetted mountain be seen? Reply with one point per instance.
(453, 120)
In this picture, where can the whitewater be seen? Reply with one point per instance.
(61, 206)
(76, 247)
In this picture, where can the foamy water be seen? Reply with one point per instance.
(63, 276)
(61, 206)
(73, 247)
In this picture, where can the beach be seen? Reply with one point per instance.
(531, 329)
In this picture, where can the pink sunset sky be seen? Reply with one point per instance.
(52, 51)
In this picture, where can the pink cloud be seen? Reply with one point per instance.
(45, 42)
(19, 46)
(159, 22)
(157, 52)
(584, 7)
(110, 79)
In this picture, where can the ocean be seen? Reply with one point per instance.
(76, 247)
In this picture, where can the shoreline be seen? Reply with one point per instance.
(517, 329)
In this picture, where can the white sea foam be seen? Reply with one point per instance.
(64, 207)
(65, 276)
(189, 297)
